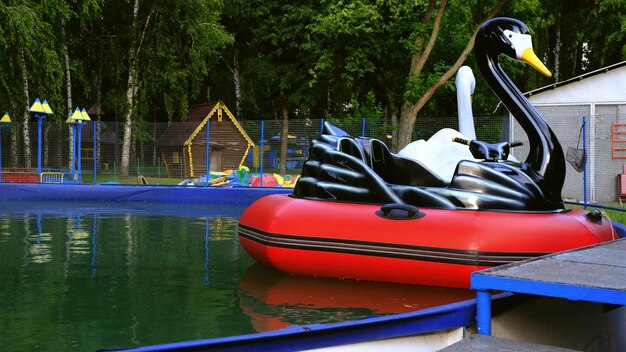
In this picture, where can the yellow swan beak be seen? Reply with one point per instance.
(529, 57)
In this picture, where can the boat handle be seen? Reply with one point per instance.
(410, 210)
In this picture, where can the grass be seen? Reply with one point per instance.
(618, 215)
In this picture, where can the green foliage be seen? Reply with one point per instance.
(325, 55)
(27, 52)
(358, 110)
(176, 62)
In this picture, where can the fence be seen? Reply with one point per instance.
(181, 153)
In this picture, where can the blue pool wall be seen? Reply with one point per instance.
(132, 193)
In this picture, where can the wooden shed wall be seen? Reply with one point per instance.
(227, 147)
(174, 160)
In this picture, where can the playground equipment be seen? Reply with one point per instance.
(41, 110)
(76, 121)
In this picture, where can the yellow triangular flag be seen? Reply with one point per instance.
(77, 116)
(6, 118)
(37, 107)
(46, 108)
(85, 115)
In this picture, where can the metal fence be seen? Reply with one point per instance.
(184, 153)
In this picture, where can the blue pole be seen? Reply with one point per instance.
(39, 227)
(73, 154)
(206, 252)
(95, 153)
(40, 118)
(78, 148)
(321, 126)
(483, 312)
(585, 168)
(363, 127)
(261, 154)
(94, 246)
(208, 159)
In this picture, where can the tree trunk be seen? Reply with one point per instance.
(26, 116)
(237, 81)
(393, 113)
(98, 107)
(98, 111)
(154, 145)
(128, 127)
(234, 70)
(408, 113)
(14, 159)
(557, 48)
(132, 86)
(68, 89)
(284, 135)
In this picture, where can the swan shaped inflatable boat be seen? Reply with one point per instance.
(362, 212)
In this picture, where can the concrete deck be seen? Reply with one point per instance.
(595, 274)
(479, 343)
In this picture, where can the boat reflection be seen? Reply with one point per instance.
(275, 300)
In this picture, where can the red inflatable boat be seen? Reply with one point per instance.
(354, 211)
(440, 248)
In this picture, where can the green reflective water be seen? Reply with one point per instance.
(85, 276)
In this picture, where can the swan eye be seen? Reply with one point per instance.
(519, 42)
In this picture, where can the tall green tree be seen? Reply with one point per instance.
(168, 49)
(279, 64)
(421, 85)
(30, 64)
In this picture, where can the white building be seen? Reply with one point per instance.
(599, 97)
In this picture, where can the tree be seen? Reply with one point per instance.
(279, 63)
(30, 64)
(169, 51)
(423, 47)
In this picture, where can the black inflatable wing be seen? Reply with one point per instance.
(363, 170)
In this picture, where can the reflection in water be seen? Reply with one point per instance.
(39, 249)
(90, 276)
(276, 300)
(4, 228)
(94, 246)
(101, 275)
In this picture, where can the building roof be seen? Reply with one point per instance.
(576, 79)
(182, 133)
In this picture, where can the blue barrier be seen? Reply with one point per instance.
(138, 193)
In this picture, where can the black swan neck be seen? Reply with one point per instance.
(545, 163)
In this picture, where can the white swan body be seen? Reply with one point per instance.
(465, 85)
(439, 154)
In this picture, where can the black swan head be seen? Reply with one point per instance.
(545, 163)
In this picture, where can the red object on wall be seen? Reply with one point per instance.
(618, 140)
(621, 186)
(20, 175)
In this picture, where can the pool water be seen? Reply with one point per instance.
(85, 276)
